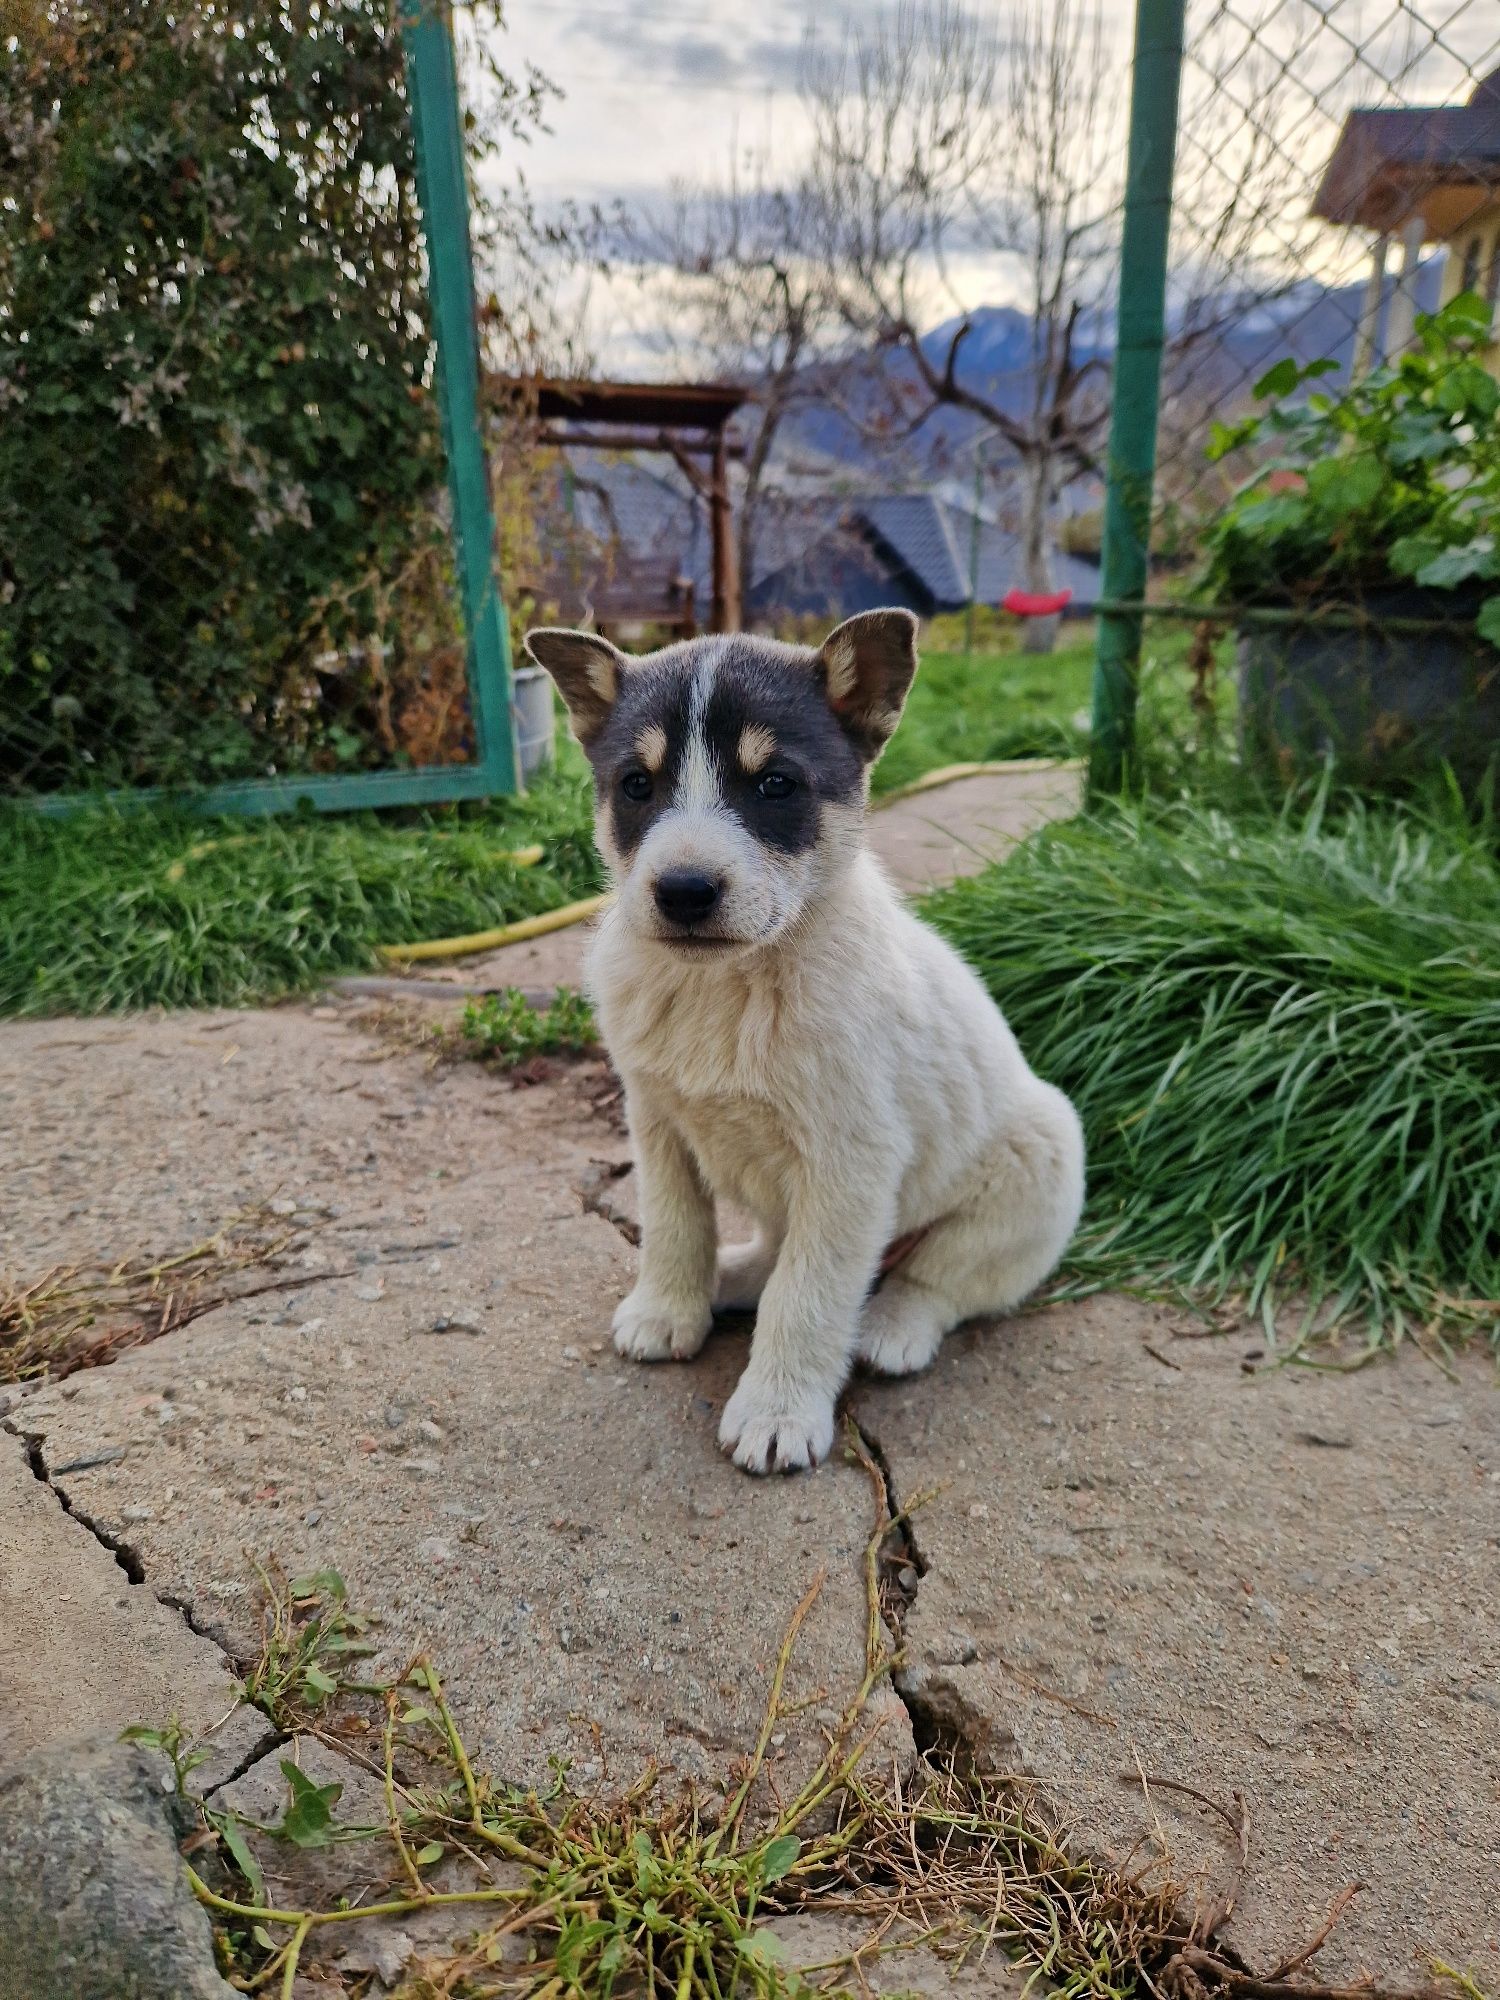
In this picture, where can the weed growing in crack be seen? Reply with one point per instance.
(83, 1315)
(584, 1897)
(309, 1635)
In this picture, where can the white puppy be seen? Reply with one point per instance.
(791, 1037)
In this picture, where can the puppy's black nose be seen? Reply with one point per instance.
(686, 898)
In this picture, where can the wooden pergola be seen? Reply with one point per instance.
(689, 421)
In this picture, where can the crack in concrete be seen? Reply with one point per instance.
(125, 1553)
(932, 1724)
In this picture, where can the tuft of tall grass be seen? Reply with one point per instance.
(1283, 1036)
(114, 910)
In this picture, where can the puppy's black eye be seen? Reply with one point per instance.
(636, 785)
(776, 785)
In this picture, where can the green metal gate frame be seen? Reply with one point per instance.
(437, 131)
(1135, 394)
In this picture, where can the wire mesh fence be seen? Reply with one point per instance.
(1326, 461)
(228, 560)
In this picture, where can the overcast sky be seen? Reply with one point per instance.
(659, 89)
(664, 91)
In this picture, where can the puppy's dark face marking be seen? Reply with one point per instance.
(755, 714)
(731, 769)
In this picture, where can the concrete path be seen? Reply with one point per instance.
(925, 838)
(1148, 1556)
(1154, 1561)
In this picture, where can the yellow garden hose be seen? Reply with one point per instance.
(950, 774)
(577, 913)
(528, 927)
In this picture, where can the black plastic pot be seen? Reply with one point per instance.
(1382, 701)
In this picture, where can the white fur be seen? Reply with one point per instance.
(844, 1077)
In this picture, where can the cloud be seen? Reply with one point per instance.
(713, 55)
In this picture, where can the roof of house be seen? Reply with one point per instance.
(1438, 161)
(817, 551)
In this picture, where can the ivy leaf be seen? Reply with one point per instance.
(308, 1820)
(1409, 553)
(1468, 390)
(1273, 516)
(1343, 486)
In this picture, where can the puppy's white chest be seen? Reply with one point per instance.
(743, 1148)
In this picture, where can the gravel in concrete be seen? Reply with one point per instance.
(1284, 1584)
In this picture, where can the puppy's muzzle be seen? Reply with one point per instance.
(686, 898)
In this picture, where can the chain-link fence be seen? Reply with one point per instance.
(236, 493)
(1312, 284)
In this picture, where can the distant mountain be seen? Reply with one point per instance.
(1309, 321)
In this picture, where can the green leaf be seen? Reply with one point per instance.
(323, 1583)
(308, 1820)
(233, 1836)
(1343, 486)
(779, 1856)
(1278, 380)
(1468, 389)
(315, 1681)
(761, 1948)
(1272, 516)
(1476, 558)
(433, 1851)
(1487, 624)
(1409, 553)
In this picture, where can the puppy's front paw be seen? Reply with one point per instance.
(651, 1328)
(776, 1429)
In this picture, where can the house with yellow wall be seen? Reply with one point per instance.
(1418, 175)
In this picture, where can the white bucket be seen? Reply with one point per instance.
(535, 722)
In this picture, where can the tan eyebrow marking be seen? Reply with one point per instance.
(651, 747)
(757, 747)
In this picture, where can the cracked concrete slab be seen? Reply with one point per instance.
(1281, 1584)
(83, 1649)
(444, 1421)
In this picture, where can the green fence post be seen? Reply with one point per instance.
(437, 127)
(1136, 389)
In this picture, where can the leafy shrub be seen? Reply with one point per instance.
(1395, 481)
(219, 448)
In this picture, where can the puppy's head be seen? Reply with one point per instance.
(731, 774)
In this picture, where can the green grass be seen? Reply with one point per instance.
(1000, 703)
(112, 910)
(1283, 1035)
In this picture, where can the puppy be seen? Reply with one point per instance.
(791, 1037)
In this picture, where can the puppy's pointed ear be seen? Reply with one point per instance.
(867, 666)
(587, 671)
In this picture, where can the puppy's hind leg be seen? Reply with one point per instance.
(994, 1248)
